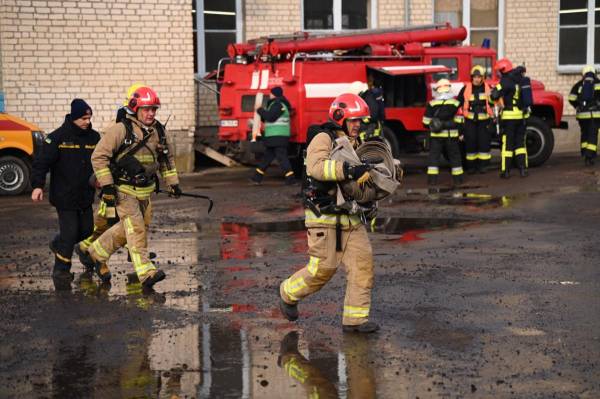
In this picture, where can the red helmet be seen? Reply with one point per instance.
(143, 97)
(503, 65)
(347, 106)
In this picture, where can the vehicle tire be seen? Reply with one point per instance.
(539, 141)
(390, 138)
(14, 175)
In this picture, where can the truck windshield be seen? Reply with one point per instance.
(451, 63)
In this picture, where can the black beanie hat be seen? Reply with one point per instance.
(79, 108)
(277, 91)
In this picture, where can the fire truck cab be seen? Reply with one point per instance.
(404, 62)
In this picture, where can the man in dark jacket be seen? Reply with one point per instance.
(276, 137)
(373, 96)
(67, 155)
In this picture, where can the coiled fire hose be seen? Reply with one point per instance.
(387, 174)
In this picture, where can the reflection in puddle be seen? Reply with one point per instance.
(245, 241)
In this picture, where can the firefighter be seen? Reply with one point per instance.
(66, 153)
(373, 96)
(476, 109)
(336, 233)
(125, 162)
(507, 96)
(101, 223)
(443, 122)
(276, 137)
(585, 98)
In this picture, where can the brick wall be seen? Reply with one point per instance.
(54, 51)
(264, 17)
(421, 12)
(531, 37)
(390, 13)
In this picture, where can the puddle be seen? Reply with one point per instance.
(396, 225)
(245, 241)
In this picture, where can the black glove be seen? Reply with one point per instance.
(175, 191)
(109, 197)
(436, 125)
(353, 172)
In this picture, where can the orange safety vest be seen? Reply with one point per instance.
(467, 98)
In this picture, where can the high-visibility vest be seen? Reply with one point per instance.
(281, 126)
(468, 97)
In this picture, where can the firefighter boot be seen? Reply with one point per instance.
(85, 258)
(432, 180)
(289, 345)
(102, 271)
(589, 161)
(154, 277)
(505, 174)
(257, 177)
(290, 179)
(62, 276)
(288, 311)
(457, 180)
(365, 328)
(523, 172)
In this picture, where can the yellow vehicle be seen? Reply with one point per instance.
(19, 141)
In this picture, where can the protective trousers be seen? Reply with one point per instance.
(436, 147)
(477, 144)
(513, 144)
(279, 152)
(590, 128)
(100, 226)
(74, 226)
(356, 255)
(135, 216)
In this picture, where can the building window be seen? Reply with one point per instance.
(482, 19)
(339, 15)
(216, 23)
(579, 34)
(448, 11)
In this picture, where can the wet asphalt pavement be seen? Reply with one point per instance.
(492, 290)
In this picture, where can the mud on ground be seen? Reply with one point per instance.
(492, 290)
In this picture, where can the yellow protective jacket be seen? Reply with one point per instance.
(320, 166)
(110, 143)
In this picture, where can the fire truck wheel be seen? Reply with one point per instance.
(539, 141)
(390, 138)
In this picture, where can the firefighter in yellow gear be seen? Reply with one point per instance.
(336, 233)
(125, 163)
(101, 223)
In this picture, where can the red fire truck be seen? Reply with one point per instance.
(313, 69)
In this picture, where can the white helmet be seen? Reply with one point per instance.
(358, 87)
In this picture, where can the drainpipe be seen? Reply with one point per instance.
(406, 12)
